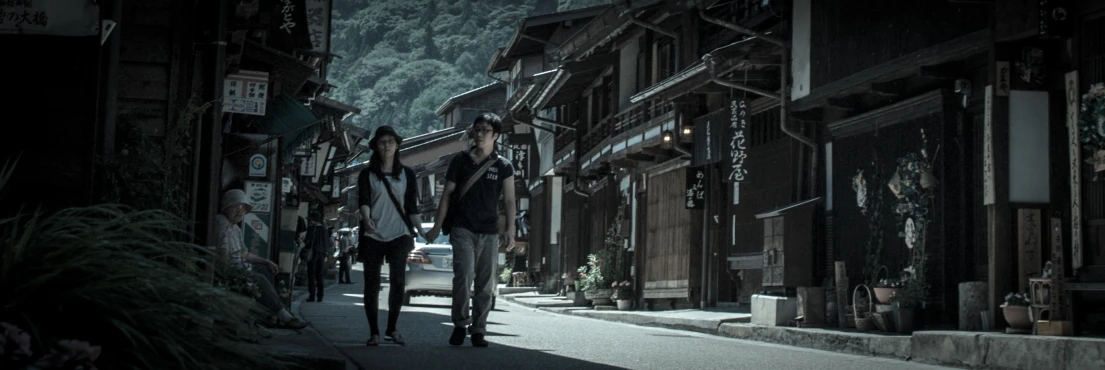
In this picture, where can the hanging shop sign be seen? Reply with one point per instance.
(318, 24)
(696, 188)
(49, 17)
(260, 196)
(288, 29)
(708, 131)
(734, 142)
(258, 165)
(246, 92)
(1074, 144)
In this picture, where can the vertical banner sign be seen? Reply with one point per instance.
(707, 137)
(735, 150)
(256, 223)
(258, 164)
(521, 166)
(696, 188)
(288, 28)
(336, 191)
(1058, 311)
(318, 24)
(1003, 83)
(988, 149)
(1029, 246)
(49, 17)
(1075, 171)
(246, 92)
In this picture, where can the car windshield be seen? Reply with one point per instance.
(441, 239)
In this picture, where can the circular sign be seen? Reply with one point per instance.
(257, 164)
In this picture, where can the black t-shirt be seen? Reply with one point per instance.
(479, 208)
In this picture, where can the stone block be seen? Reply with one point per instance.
(973, 299)
(773, 311)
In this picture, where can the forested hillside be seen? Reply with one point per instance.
(400, 59)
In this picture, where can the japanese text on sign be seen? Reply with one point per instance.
(53, 17)
(246, 92)
(288, 24)
(318, 24)
(738, 120)
(696, 188)
(521, 152)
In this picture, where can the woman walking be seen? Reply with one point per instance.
(388, 201)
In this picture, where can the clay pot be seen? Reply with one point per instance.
(1017, 317)
(884, 294)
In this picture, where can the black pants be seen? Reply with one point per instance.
(314, 275)
(374, 253)
(343, 269)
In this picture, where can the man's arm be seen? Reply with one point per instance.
(510, 208)
(442, 210)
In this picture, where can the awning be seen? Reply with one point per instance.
(289, 118)
(570, 80)
(747, 55)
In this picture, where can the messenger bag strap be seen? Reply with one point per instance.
(476, 176)
(394, 199)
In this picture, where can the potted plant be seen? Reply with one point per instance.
(887, 288)
(906, 301)
(1015, 310)
(594, 277)
(623, 294)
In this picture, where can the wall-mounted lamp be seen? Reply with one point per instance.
(667, 141)
(688, 134)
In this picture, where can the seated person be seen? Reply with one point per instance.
(233, 208)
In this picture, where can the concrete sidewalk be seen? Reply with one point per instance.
(306, 348)
(946, 348)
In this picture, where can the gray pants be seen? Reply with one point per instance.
(474, 258)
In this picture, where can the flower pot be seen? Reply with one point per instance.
(1017, 317)
(928, 180)
(577, 285)
(600, 297)
(883, 294)
(625, 305)
(904, 318)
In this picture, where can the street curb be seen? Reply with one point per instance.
(975, 350)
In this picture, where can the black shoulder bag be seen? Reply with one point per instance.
(454, 204)
(395, 202)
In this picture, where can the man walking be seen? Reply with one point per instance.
(472, 208)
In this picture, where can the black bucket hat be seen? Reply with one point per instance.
(385, 131)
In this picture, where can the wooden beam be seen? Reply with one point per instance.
(641, 157)
(850, 102)
(947, 70)
(889, 88)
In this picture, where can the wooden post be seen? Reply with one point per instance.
(999, 228)
(1029, 246)
(841, 278)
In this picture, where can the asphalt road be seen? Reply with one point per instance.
(525, 338)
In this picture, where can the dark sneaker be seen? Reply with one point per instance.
(311, 299)
(458, 336)
(395, 337)
(478, 341)
(373, 341)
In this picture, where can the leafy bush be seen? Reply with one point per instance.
(120, 280)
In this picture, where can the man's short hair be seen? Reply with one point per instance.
(491, 119)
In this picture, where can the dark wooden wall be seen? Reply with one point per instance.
(771, 184)
(672, 252)
(848, 36)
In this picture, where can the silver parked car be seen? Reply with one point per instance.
(430, 269)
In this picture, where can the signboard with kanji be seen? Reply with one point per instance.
(49, 17)
(318, 24)
(734, 144)
(260, 196)
(695, 192)
(246, 92)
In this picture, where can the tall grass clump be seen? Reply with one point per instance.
(110, 287)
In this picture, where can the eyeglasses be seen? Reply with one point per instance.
(482, 131)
